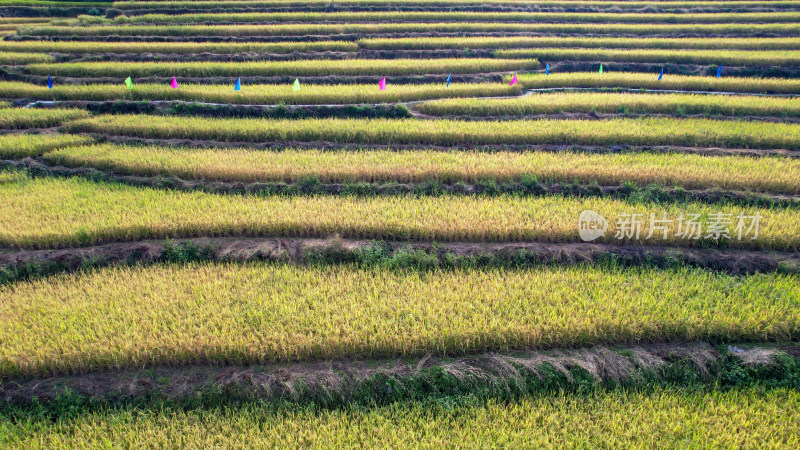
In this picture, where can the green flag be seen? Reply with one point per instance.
(296, 85)
(129, 82)
(601, 68)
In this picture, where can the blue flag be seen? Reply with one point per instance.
(660, 75)
(49, 82)
(448, 79)
(238, 86)
(547, 69)
(719, 72)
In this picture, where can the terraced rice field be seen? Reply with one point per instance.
(419, 223)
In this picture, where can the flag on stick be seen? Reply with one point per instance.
(601, 69)
(513, 80)
(174, 83)
(719, 72)
(296, 85)
(448, 79)
(49, 82)
(660, 75)
(129, 82)
(547, 69)
(382, 84)
(238, 86)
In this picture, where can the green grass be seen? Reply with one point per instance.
(626, 103)
(38, 118)
(259, 94)
(462, 16)
(725, 57)
(640, 131)
(175, 47)
(427, 43)
(49, 213)
(377, 67)
(21, 145)
(778, 29)
(769, 174)
(261, 312)
(629, 80)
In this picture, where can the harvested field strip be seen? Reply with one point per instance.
(641, 131)
(259, 94)
(45, 213)
(450, 16)
(257, 312)
(20, 145)
(175, 47)
(610, 102)
(38, 118)
(576, 42)
(328, 29)
(770, 174)
(651, 81)
(726, 57)
(745, 417)
(750, 417)
(292, 68)
(10, 58)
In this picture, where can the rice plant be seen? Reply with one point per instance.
(769, 174)
(644, 131)
(614, 102)
(353, 67)
(48, 213)
(260, 312)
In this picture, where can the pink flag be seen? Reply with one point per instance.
(382, 84)
(513, 80)
(174, 83)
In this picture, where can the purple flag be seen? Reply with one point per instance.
(513, 80)
(382, 84)
(174, 83)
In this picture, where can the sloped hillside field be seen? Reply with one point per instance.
(399, 223)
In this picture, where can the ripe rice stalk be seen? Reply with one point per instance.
(382, 67)
(53, 213)
(21, 145)
(613, 102)
(768, 174)
(725, 57)
(427, 43)
(257, 94)
(260, 312)
(669, 82)
(772, 29)
(645, 131)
